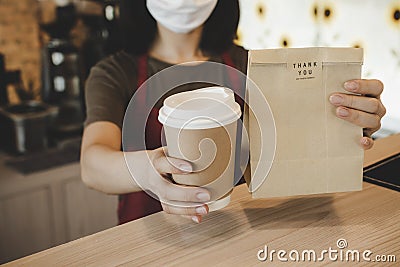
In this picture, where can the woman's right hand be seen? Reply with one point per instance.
(188, 201)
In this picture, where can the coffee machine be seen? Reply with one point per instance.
(66, 67)
(3, 83)
(61, 77)
(24, 126)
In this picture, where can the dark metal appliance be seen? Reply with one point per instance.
(61, 77)
(25, 126)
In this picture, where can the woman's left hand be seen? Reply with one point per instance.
(364, 109)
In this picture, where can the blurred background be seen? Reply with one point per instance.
(47, 48)
(373, 25)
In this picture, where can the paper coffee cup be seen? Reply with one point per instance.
(200, 127)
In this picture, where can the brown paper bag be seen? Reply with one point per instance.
(316, 152)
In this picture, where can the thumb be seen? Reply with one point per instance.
(165, 164)
(366, 142)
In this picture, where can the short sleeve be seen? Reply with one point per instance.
(106, 92)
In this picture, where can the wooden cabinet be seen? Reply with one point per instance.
(26, 223)
(88, 211)
(49, 208)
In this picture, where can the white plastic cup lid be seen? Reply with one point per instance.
(204, 108)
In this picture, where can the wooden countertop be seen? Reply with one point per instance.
(367, 220)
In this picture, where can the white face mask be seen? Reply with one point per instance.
(181, 16)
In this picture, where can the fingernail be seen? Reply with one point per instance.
(336, 99)
(203, 196)
(195, 219)
(185, 167)
(365, 141)
(352, 86)
(343, 112)
(201, 210)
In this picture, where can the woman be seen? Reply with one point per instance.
(159, 34)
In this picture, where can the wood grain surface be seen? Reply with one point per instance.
(367, 220)
(382, 149)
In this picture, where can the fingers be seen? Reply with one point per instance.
(366, 142)
(183, 200)
(164, 164)
(364, 87)
(360, 118)
(197, 211)
(196, 218)
(169, 191)
(362, 103)
(177, 199)
(364, 109)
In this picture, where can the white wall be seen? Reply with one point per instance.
(370, 24)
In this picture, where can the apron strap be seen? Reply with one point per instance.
(141, 78)
(142, 70)
(234, 79)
